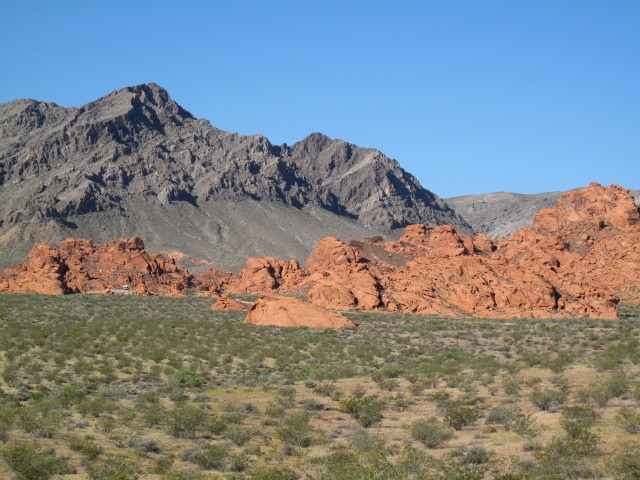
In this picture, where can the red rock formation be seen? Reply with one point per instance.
(79, 266)
(226, 303)
(293, 312)
(267, 274)
(578, 258)
(43, 272)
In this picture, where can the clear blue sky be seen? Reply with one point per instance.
(469, 96)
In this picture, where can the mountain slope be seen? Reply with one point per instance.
(500, 214)
(85, 171)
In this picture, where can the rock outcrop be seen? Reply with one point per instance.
(579, 258)
(80, 266)
(226, 303)
(292, 312)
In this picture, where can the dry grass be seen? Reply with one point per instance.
(117, 372)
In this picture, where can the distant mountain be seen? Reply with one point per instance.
(502, 213)
(135, 163)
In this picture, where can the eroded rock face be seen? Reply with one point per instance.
(79, 266)
(267, 274)
(578, 259)
(293, 312)
(43, 273)
(226, 303)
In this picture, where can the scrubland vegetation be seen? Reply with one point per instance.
(119, 388)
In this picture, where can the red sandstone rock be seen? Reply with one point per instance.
(267, 274)
(79, 266)
(226, 303)
(293, 312)
(579, 258)
(596, 203)
(43, 273)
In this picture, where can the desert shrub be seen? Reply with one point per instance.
(401, 403)
(546, 398)
(286, 397)
(95, 406)
(295, 430)
(566, 457)
(474, 456)
(577, 419)
(617, 385)
(29, 462)
(163, 464)
(365, 441)
(629, 419)
(239, 435)
(211, 456)
(328, 389)
(184, 474)
(274, 473)
(112, 392)
(366, 410)
(311, 405)
(430, 432)
(461, 413)
(511, 385)
(40, 423)
(186, 378)
(185, 422)
(69, 394)
(89, 449)
(238, 462)
(124, 438)
(114, 469)
(513, 419)
(625, 465)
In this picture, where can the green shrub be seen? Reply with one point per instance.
(185, 422)
(545, 398)
(626, 464)
(295, 430)
(30, 463)
(274, 473)
(458, 414)
(366, 410)
(513, 419)
(629, 419)
(240, 435)
(212, 456)
(430, 432)
(114, 469)
(186, 378)
(577, 419)
(85, 447)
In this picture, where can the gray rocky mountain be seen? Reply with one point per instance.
(136, 163)
(500, 214)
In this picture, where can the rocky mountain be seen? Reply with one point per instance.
(500, 214)
(135, 163)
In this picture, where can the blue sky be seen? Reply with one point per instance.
(469, 96)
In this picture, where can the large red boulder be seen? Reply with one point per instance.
(293, 312)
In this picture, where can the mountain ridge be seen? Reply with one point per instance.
(137, 146)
